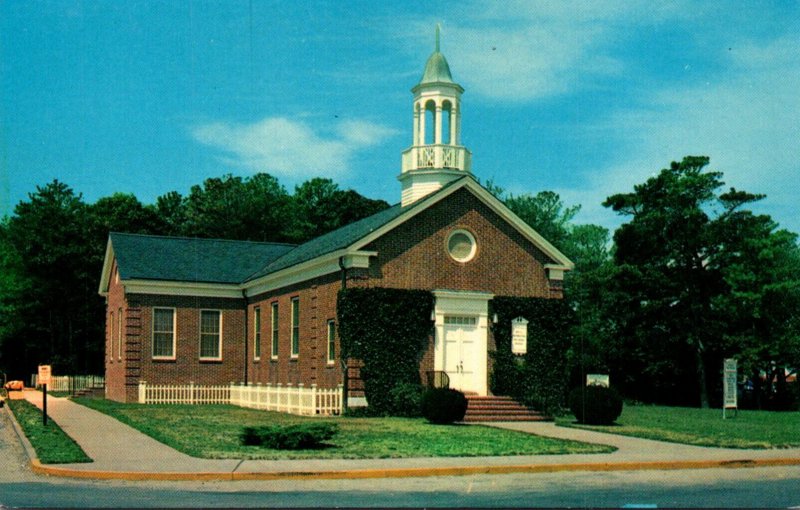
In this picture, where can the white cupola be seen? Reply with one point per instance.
(435, 156)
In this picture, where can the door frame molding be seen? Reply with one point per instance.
(474, 304)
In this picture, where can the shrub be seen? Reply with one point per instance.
(251, 436)
(406, 400)
(595, 405)
(443, 405)
(291, 437)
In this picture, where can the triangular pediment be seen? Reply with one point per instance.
(558, 259)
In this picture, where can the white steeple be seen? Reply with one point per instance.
(435, 156)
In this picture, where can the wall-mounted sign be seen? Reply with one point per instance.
(729, 385)
(598, 380)
(519, 336)
(44, 374)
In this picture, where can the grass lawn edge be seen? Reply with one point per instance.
(51, 444)
(164, 433)
(754, 430)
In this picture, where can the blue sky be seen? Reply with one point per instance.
(582, 98)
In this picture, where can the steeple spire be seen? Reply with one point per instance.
(436, 155)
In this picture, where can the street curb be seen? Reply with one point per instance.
(40, 468)
(26, 444)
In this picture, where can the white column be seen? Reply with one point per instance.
(437, 119)
(453, 124)
(421, 133)
(415, 128)
(457, 139)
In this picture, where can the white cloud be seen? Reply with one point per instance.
(291, 148)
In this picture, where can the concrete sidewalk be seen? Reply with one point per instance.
(120, 451)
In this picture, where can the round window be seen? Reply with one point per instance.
(461, 246)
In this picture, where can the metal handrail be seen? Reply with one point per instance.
(437, 379)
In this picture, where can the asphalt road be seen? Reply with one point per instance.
(754, 487)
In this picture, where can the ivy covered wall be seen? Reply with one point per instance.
(387, 329)
(539, 377)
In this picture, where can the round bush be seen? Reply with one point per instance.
(595, 405)
(443, 405)
(406, 400)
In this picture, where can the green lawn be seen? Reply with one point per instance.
(705, 427)
(212, 431)
(52, 445)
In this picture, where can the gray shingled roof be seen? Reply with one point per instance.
(332, 241)
(191, 259)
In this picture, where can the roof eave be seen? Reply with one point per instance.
(105, 275)
(181, 288)
(308, 270)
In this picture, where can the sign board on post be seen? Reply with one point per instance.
(44, 380)
(44, 374)
(598, 380)
(519, 336)
(729, 386)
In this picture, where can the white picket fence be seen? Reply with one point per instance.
(70, 382)
(289, 399)
(183, 394)
(308, 401)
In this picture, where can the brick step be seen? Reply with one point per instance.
(489, 418)
(498, 408)
(90, 392)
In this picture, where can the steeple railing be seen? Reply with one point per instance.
(424, 157)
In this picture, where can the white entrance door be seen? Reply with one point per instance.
(460, 358)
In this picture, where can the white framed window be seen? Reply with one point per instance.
(461, 245)
(120, 329)
(112, 329)
(295, 327)
(275, 323)
(211, 334)
(163, 333)
(257, 333)
(456, 320)
(331, 342)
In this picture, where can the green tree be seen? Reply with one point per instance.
(14, 286)
(670, 261)
(55, 295)
(763, 274)
(172, 210)
(320, 206)
(231, 207)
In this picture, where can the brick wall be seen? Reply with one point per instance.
(115, 366)
(187, 365)
(317, 300)
(415, 256)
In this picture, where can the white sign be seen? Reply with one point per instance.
(598, 380)
(44, 374)
(519, 336)
(729, 387)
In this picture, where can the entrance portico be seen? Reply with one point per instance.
(461, 343)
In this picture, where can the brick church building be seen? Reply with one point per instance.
(210, 311)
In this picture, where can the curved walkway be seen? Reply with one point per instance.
(120, 451)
